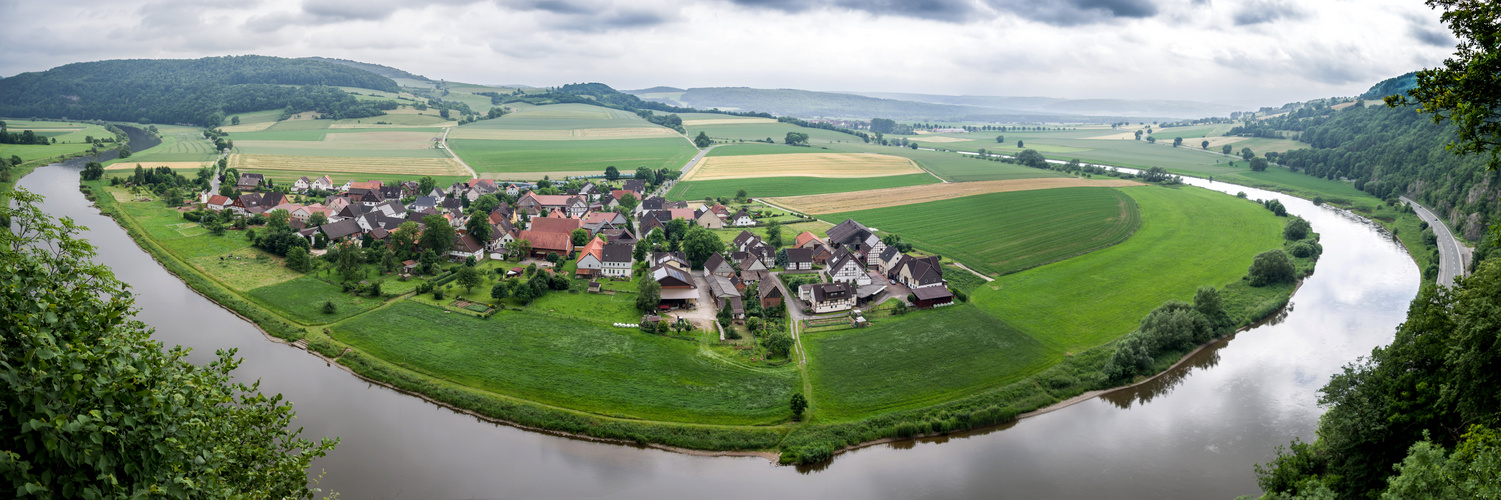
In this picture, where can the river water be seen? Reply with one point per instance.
(1194, 433)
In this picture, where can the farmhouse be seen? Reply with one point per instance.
(806, 239)
(555, 225)
(856, 238)
(744, 240)
(620, 236)
(674, 259)
(917, 273)
(828, 297)
(636, 186)
(543, 242)
(770, 295)
(249, 182)
(615, 261)
(741, 219)
(708, 219)
(591, 258)
(246, 204)
(678, 289)
(725, 292)
(798, 259)
(324, 183)
(464, 246)
(301, 185)
(341, 230)
(217, 203)
(717, 266)
(846, 268)
(572, 206)
(599, 221)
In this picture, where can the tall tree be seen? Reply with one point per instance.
(699, 244)
(1465, 90)
(478, 227)
(437, 235)
(92, 407)
(703, 140)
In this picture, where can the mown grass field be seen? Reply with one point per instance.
(574, 364)
(302, 299)
(1189, 237)
(917, 360)
(754, 130)
(70, 138)
(179, 145)
(558, 156)
(790, 186)
(1001, 233)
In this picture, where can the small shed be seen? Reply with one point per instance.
(930, 296)
(594, 287)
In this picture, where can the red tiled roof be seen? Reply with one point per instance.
(551, 225)
(218, 200)
(558, 242)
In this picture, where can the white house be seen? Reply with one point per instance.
(742, 219)
(845, 267)
(324, 183)
(615, 261)
(828, 297)
(301, 185)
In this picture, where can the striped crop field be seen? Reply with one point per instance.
(850, 200)
(561, 134)
(839, 165)
(347, 165)
(1001, 233)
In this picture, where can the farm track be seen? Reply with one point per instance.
(891, 197)
(455, 156)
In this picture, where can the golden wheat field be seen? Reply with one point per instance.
(890, 197)
(561, 135)
(347, 165)
(836, 165)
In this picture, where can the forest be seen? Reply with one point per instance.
(188, 91)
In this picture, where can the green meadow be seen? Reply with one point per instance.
(917, 360)
(1001, 233)
(1189, 237)
(574, 364)
(70, 138)
(564, 156)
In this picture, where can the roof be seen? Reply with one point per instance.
(932, 292)
(658, 257)
(668, 273)
(616, 253)
(621, 234)
(467, 244)
(681, 213)
(753, 276)
(743, 239)
(769, 291)
(546, 240)
(595, 247)
(841, 258)
(551, 225)
(552, 200)
(823, 292)
(890, 254)
(799, 255)
(721, 286)
(846, 230)
(804, 237)
(741, 213)
(636, 185)
(219, 200)
(604, 218)
(372, 185)
(343, 228)
(715, 262)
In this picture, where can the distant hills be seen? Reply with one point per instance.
(926, 107)
(195, 91)
(385, 71)
(1394, 85)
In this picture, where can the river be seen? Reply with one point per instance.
(1195, 433)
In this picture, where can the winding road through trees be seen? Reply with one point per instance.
(1450, 254)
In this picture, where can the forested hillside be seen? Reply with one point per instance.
(190, 91)
(382, 70)
(1390, 152)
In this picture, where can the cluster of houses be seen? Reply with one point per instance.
(858, 264)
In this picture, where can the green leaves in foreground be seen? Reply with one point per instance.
(91, 407)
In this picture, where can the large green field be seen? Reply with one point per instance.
(790, 186)
(917, 360)
(179, 144)
(575, 364)
(1001, 233)
(564, 156)
(303, 299)
(70, 138)
(1189, 237)
(562, 117)
(754, 131)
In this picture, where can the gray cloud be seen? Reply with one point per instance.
(1057, 13)
(595, 16)
(1427, 32)
(1265, 11)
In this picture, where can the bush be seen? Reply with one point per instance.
(1272, 267)
(329, 307)
(1296, 229)
(1302, 250)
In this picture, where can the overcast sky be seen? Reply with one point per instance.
(1246, 52)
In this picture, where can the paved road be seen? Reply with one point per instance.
(1450, 256)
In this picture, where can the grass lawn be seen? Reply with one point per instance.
(245, 269)
(790, 186)
(1000, 233)
(574, 364)
(1283, 179)
(564, 156)
(1189, 237)
(302, 299)
(917, 360)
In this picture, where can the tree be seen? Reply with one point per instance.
(774, 234)
(92, 171)
(1464, 90)
(437, 235)
(703, 140)
(124, 152)
(699, 244)
(518, 248)
(428, 261)
(478, 227)
(468, 278)
(1225, 149)
(501, 290)
(1000, 139)
(1020, 144)
(612, 174)
(1031, 158)
(317, 219)
(648, 294)
(1258, 164)
(798, 403)
(797, 139)
(348, 262)
(779, 343)
(298, 260)
(1177, 141)
(235, 120)
(426, 185)
(1204, 145)
(1246, 154)
(580, 237)
(629, 202)
(1272, 267)
(91, 406)
(1208, 303)
(554, 258)
(1296, 229)
(1151, 140)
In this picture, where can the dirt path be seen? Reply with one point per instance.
(891, 197)
(444, 142)
(972, 271)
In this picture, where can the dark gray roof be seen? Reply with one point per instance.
(616, 253)
(824, 292)
(800, 255)
(844, 230)
(932, 292)
(343, 228)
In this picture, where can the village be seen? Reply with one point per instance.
(600, 232)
